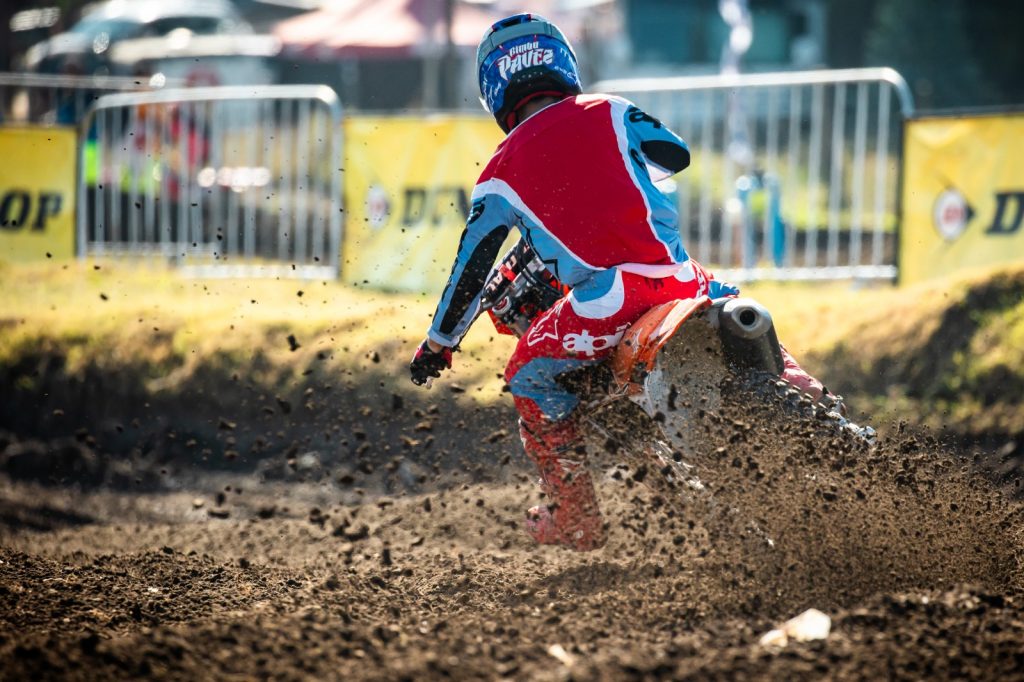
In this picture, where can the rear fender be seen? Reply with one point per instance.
(637, 351)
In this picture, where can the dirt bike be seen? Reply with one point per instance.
(675, 364)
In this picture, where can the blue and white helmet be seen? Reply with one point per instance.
(520, 58)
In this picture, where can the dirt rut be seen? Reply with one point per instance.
(916, 560)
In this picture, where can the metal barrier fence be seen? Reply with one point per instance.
(794, 175)
(59, 100)
(221, 181)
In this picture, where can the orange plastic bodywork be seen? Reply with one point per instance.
(640, 344)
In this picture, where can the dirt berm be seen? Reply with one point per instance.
(278, 514)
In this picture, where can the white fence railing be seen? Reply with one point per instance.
(794, 175)
(49, 99)
(221, 181)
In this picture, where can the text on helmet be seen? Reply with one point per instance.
(522, 57)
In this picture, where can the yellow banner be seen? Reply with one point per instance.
(963, 194)
(37, 193)
(407, 186)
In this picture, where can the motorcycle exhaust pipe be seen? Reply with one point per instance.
(748, 334)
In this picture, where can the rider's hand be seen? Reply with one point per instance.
(429, 360)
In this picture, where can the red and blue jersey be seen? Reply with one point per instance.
(577, 180)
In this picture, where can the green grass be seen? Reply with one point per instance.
(945, 353)
(170, 326)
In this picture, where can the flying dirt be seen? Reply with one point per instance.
(358, 531)
(909, 555)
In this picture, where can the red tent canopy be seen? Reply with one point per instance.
(380, 29)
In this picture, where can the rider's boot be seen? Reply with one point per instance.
(796, 375)
(572, 517)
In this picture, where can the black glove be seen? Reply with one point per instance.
(426, 363)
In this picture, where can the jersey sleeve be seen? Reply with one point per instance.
(664, 152)
(490, 219)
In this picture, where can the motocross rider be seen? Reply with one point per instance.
(575, 175)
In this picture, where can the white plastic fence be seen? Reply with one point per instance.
(794, 175)
(220, 181)
(49, 99)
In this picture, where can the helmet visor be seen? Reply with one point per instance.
(522, 57)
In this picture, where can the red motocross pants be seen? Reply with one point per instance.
(582, 329)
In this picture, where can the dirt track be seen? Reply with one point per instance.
(235, 575)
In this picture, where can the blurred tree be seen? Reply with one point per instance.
(996, 27)
(847, 23)
(928, 42)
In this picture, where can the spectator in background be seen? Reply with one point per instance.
(71, 103)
